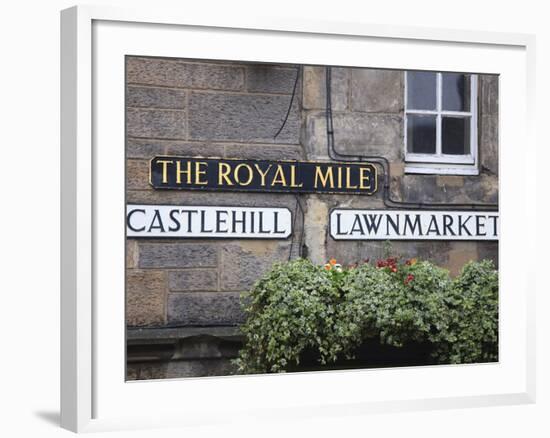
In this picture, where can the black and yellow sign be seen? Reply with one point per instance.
(262, 175)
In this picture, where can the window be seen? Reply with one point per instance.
(440, 123)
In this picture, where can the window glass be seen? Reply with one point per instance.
(456, 91)
(421, 134)
(421, 90)
(455, 135)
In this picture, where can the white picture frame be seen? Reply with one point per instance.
(94, 394)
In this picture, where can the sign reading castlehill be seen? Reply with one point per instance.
(262, 175)
(208, 222)
(413, 225)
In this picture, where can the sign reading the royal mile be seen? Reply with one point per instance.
(413, 225)
(208, 222)
(262, 175)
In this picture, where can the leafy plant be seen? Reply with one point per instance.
(331, 310)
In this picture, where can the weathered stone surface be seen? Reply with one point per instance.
(488, 147)
(137, 174)
(149, 97)
(146, 370)
(242, 117)
(145, 148)
(356, 133)
(155, 123)
(376, 91)
(315, 88)
(428, 188)
(450, 181)
(243, 263)
(489, 94)
(177, 255)
(270, 79)
(179, 197)
(264, 152)
(199, 368)
(131, 253)
(145, 297)
(488, 250)
(193, 279)
(315, 225)
(177, 73)
(205, 308)
(206, 347)
(357, 251)
(459, 254)
(483, 188)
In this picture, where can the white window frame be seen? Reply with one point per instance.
(440, 163)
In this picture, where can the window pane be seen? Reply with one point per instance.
(456, 92)
(421, 88)
(455, 139)
(421, 134)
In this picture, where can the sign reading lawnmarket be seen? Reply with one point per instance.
(413, 225)
(262, 175)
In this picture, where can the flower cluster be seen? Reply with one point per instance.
(390, 263)
(332, 264)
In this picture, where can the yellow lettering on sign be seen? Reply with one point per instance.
(224, 170)
(348, 179)
(180, 172)
(363, 178)
(324, 178)
(199, 173)
(262, 174)
(293, 177)
(250, 174)
(165, 164)
(279, 177)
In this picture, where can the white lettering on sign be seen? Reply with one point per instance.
(413, 225)
(208, 222)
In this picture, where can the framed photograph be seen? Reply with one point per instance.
(257, 209)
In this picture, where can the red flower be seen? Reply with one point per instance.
(409, 278)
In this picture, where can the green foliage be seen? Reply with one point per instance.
(298, 306)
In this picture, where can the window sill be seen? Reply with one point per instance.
(440, 169)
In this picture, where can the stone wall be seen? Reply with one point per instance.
(234, 110)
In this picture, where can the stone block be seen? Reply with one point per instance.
(177, 255)
(271, 79)
(145, 297)
(459, 254)
(149, 97)
(155, 123)
(376, 91)
(193, 279)
(199, 368)
(315, 228)
(450, 181)
(488, 250)
(314, 92)
(205, 308)
(146, 370)
(145, 148)
(137, 174)
(264, 152)
(488, 145)
(488, 87)
(180, 197)
(355, 133)
(243, 118)
(131, 253)
(182, 74)
(244, 262)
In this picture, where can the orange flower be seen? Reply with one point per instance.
(328, 267)
(332, 261)
(413, 262)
